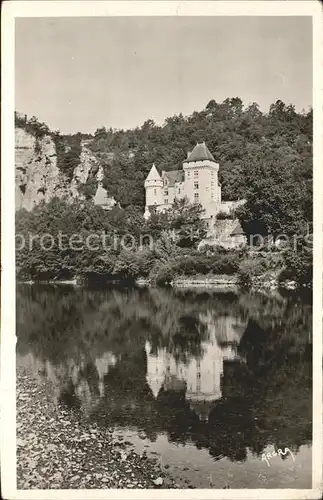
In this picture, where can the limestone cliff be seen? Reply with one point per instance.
(39, 178)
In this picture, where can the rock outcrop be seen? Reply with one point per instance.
(39, 178)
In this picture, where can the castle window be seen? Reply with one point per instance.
(166, 192)
(188, 175)
(196, 173)
(155, 191)
(212, 173)
(165, 181)
(166, 201)
(196, 196)
(196, 185)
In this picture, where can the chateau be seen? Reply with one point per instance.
(200, 378)
(197, 180)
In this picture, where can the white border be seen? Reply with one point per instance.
(10, 10)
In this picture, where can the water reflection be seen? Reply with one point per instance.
(199, 377)
(226, 373)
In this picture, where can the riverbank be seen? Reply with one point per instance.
(266, 282)
(221, 282)
(60, 449)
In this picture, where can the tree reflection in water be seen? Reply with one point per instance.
(223, 371)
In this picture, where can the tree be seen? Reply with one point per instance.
(265, 158)
(275, 198)
(184, 219)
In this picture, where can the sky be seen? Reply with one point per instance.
(78, 74)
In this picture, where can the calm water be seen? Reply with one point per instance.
(205, 382)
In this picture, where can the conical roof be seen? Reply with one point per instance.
(202, 409)
(155, 383)
(153, 174)
(237, 230)
(200, 153)
(102, 198)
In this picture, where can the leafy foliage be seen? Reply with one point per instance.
(32, 125)
(68, 150)
(246, 143)
(264, 158)
(191, 265)
(183, 220)
(64, 240)
(298, 265)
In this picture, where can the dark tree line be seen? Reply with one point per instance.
(254, 149)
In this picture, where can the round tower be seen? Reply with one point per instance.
(154, 190)
(201, 179)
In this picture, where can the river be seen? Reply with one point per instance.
(205, 382)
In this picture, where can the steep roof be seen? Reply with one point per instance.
(237, 230)
(200, 153)
(174, 176)
(102, 198)
(201, 408)
(153, 174)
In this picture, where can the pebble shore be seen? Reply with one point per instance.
(56, 449)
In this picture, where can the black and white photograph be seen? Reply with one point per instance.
(163, 180)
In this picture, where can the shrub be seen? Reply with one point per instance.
(225, 264)
(165, 274)
(298, 267)
(223, 215)
(248, 269)
(32, 125)
(190, 265)
(68, 151)
(89, 188)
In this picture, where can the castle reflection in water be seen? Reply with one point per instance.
(223, 372)
(200, 378)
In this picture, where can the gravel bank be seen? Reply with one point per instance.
(57, 448)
